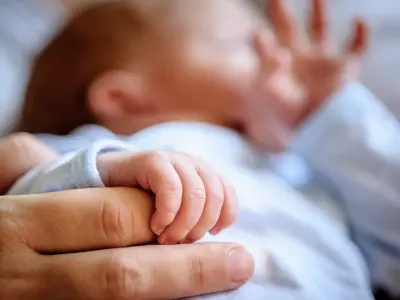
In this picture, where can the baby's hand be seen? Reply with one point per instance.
(191, 198)
(318, 64)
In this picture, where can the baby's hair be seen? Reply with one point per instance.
(100, 38)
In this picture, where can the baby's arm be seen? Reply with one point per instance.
(191, 199)
(354, 143)
(20, 153)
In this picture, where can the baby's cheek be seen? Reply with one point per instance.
(242, 64)
(237, 74)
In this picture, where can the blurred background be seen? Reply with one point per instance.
(26, 24)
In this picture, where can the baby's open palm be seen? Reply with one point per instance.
(318, 64)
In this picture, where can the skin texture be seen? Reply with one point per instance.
(207, 69)
(20, 153)
(187, 60)
(191, 198)
(96, 228)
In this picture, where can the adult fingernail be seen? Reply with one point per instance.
(240, 265)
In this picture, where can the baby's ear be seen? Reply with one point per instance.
(115, 95)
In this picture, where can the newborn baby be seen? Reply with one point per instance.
(206, 78)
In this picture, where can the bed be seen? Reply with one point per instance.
(26, 24)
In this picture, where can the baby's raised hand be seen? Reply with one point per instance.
(317, 64)
(191, 198)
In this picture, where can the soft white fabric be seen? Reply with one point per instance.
(301, 250)
(300, 253)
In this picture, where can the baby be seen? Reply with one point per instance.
(196, 77)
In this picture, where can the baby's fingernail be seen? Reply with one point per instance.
(215, 230)
(161, 240)
(188, 241)
(240, 265)
(157, 230)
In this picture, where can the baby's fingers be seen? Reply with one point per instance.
(318, 21)
(283, 23)
(359, 40)
(263, 44)
(193, 201)
(164, 182)
(229, 211)
(212, 209)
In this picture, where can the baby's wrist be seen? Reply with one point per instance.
(102, 159)
(107, 164)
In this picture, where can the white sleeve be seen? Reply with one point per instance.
(71, 171)
(353, 142)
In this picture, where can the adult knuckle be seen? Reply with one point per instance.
(4, 224)
(28, 146)
(22, 139)
(198, 279)
(10, 226)
(115, 222)
(123, 277)
(3, 234)
(8, 291)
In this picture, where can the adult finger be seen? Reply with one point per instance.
(80, 220)
(359, 40)
(21, 152)
(157, 175)
(150, 272)
(318, 22)
(193, 201)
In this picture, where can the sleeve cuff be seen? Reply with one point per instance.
(85, 165)
(340, 112)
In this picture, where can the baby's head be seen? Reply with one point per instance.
(131, 64)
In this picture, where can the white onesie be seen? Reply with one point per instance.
(301, 248)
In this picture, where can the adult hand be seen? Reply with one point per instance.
(19, 153)
(75, 245)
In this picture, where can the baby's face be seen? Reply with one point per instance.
(207, 68)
